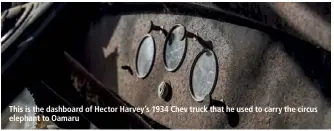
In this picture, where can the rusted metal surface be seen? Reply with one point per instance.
(255, 68)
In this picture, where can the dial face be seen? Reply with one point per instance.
(203, 75)
(175, 47)
(145, 56)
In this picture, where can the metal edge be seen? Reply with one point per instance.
(184, 52)
(30, 18)
(27, 10)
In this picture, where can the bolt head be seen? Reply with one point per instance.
(163, 90)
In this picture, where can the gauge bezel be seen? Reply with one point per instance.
(184, 51)
(192, 71)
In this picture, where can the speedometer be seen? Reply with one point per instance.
(145, 56)
(203, 75)
(175, 47)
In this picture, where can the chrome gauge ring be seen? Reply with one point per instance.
(175, 47)
(145, 56)
(203, 75)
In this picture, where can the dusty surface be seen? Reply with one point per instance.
(308, 21)
(253, 70)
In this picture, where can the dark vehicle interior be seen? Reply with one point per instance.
(83, 54)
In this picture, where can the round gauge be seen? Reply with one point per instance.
(175, 47)
(203, 75)
(145, 56)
